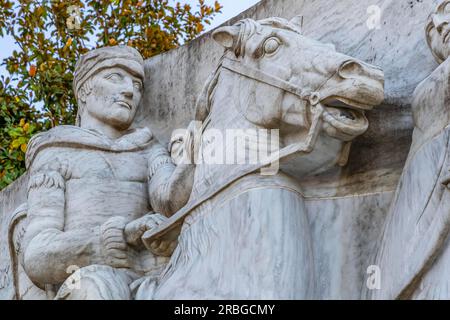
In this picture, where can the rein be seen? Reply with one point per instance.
(313, 98)
(235, 66)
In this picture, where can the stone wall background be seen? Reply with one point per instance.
(10, 199)
(347, 206)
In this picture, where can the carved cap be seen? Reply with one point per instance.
(92, 62)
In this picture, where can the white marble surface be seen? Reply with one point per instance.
(398, 47)
(93, 191)
(262, 85)
(418, 222)
(345, 233)
(345, 206)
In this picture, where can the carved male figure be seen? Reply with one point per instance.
(418, 223)
(89, 187)
(438, 32)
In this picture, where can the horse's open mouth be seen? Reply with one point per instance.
(339, 102)
(345, 119)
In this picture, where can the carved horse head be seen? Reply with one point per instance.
(273, 77)
(283, 80)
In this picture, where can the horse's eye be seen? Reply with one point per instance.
(271, 45)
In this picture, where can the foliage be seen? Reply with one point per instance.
(51, 35)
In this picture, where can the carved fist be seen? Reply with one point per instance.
(114, 246)
(136, 229)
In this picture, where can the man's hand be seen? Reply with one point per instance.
(114, 246)
(136, 229)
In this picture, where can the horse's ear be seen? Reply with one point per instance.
(298, 21)
(226, 36)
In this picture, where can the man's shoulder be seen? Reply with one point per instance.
(79, 139)
(45, 142)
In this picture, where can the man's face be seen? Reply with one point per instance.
(115, 97)
(438, 32)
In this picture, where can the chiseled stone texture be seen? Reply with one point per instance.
(94, 190)
(377, 158)
(10, 198)
(345, 233)
(418, 223)
(398, 47)
(346, 207)
(280, 264)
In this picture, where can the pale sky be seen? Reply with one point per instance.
(231, 8)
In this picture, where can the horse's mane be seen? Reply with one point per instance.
(248, 27)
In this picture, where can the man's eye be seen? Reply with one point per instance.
(138, 85)
(114, 77)
(447, 8)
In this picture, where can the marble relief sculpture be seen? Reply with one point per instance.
(94, 188)
(244, 235)
(274, 187)
(414, 254)
(141, 223)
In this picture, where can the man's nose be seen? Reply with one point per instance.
(127, 88)
(439, 23)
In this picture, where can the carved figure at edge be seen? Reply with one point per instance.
(244, 235)
(417, 228)
(88, 197)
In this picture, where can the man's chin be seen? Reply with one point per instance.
(121, 123)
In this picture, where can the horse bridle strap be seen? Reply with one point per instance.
(313, 98)
(255, 74)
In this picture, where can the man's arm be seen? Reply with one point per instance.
(169, 186)
(49, 250)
